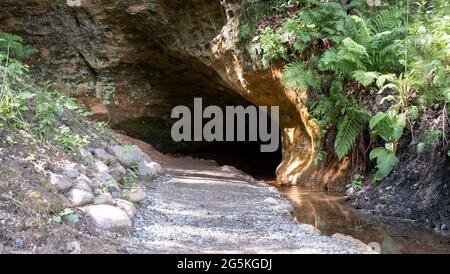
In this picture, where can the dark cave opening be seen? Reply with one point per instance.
(244, 155)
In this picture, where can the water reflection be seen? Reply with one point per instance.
(329, 213)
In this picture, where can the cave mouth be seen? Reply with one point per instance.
(243, 155)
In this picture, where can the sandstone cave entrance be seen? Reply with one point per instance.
(246, 156)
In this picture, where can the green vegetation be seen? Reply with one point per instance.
(347, 56)
(68, 140)
(357, 182)
(26, 105)
(131, 179)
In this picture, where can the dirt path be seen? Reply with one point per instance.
(198, 207)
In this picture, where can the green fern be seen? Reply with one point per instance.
(348, 130)
(366, 78)
(297, 76)
(12, 45)
(388, 19)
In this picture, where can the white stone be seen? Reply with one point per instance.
(145, 169)
(101, 167)
(157, 167)
(105, 179)
(87, 157)
(270, 201)
(61, 182)
(82, 183)
(80, 197)
(74, 247)
(71, 171)
(118, 172)
(128, 154)
(104, 198)
(127, 206)
(135, 195)
(110, 218)
(103, 155)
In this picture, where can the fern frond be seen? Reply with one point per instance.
(297, 76)
(348, 130)
(366, 78)
(388, 19)
(13, 44)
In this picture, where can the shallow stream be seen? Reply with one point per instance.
(330, 213)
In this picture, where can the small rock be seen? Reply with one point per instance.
(118, 172)
(310, 228)
(144, 169)
(110, 218)
(135, 195)
(83, 183)
(127, 206)
(80, 197)
(74, 247)
(128, 154)
(87, 157)
(101, 167)
(104, 198)
(350, 192)
(157, 167)
(443, 227)
(61, 182)
(270, 201)
(20, 242)
(103, 155)
(105, 179)
(71, 171)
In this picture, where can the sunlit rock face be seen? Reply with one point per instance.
(134, 59)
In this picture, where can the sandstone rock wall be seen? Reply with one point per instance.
(133, 58)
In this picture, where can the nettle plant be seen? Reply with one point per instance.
(341, 53)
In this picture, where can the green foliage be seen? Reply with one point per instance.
(68, 140)
(270, 47)
(402, 48)
(131, 179)
(386, 161)
(68, 214)
(348, 129)
(366, 78)
(356, 182)
(430, 139)
(297, 76)
(388, 126)
(13, 46)
(23, 103)
(253, 11)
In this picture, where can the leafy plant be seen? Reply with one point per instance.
(356, 182)
(270, 46)
(386, 161)
(297, 76)
(348, 130)
(430, 139)
(131, 179)
(70, 141)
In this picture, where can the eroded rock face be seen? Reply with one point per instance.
(132, 59)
